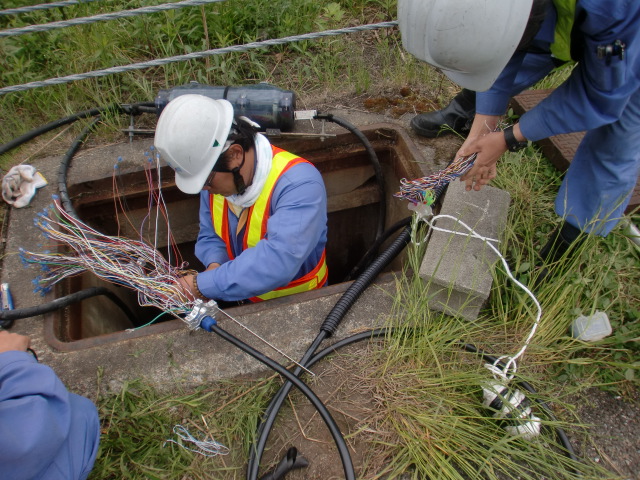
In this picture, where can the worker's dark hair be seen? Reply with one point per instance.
(536, 17)
(243, 134)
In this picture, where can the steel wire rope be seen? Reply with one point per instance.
(45, 27)
(195, 55)
(43, 6)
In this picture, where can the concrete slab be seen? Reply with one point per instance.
(456, 268)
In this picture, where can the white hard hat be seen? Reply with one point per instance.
(470, 40)
(190, 136)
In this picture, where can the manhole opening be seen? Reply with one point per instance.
(353, 210)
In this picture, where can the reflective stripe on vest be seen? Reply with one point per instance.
(256, 226)
(561, 46)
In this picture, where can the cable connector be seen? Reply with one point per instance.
(199, 312)
(513, 408)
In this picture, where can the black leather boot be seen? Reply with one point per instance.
(563, 240)
(458, 116)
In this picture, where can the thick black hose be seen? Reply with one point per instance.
(328, 328)
(269, 417)
(58, 303)
(343, 449)
(355, 271)
(64, 168)
(134, 109)
(360, 284)
(375, 162)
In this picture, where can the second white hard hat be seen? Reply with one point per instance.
(470, 40)
(190, 136)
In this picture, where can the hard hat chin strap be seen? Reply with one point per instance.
(238, 181)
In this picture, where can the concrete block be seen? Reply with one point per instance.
(456, 268)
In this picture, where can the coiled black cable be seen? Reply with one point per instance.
(563, 439)
(133, 109)
(64, 168)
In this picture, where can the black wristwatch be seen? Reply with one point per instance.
(510, 139)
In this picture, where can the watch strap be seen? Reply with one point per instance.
(513, 145)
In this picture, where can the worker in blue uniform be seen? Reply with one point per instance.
(46, 432)
(263, 211)
(601, 96)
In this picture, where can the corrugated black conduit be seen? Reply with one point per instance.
(327, 329)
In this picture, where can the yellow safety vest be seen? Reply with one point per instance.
(256, 227)
(561, 46)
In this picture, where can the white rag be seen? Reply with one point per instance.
(20, 183)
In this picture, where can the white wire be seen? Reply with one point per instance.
(207, 448)
(510, 365)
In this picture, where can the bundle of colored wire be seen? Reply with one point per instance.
(130, 263)
(425, 190)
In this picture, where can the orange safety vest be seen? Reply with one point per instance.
(256, 227)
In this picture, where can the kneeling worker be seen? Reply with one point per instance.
(263, 211)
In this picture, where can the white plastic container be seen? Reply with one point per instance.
(592, 328)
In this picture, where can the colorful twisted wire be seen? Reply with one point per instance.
(131, 263)
(426, 189)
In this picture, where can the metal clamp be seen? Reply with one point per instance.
(201, 310)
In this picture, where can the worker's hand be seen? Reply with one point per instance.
(187, 286)
(489, 146)
(12, 341)
(213, 266)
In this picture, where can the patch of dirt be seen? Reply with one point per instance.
(344, 385)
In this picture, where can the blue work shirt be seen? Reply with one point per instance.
(45, 432)
(595, 93)
(296, 237)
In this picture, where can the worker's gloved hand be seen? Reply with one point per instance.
(19, 185)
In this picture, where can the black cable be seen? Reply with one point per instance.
(375, 162)
(8, 316)
(327, 329)
(64, 168)
(343, 449)
(562, 436)
(133, 109)
(355, 271)
(383, 331)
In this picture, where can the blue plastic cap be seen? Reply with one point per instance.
(207, 323)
